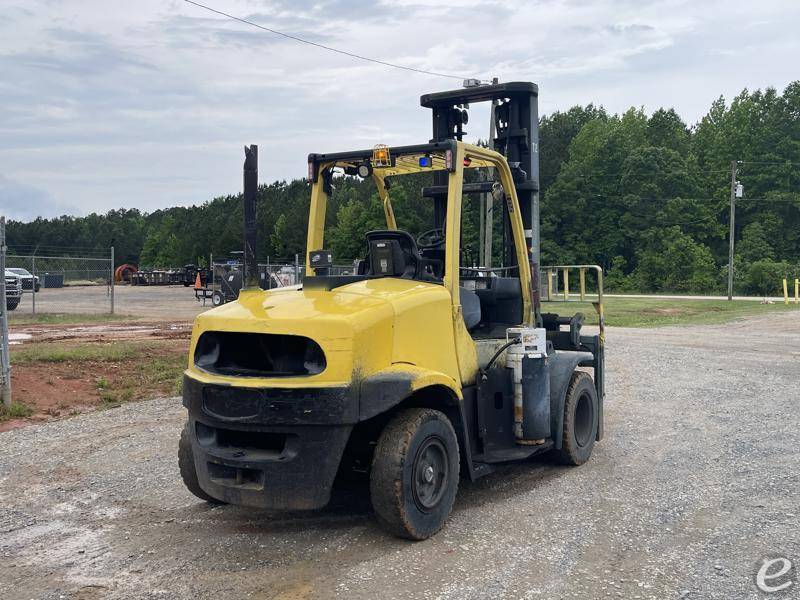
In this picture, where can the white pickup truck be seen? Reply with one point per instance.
(13, 289)
(28, 280)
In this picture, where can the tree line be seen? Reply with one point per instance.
(645, 196)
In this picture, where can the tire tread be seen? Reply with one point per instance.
(568, 454)
(188, 470)
(386, 485)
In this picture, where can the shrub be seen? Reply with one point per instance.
(672, 261)
(765, 277)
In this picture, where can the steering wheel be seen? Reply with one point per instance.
(433, 238)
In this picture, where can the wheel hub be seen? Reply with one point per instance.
(584, 420)
(430, 473)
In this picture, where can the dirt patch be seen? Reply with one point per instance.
(664, 312)
(50, 392)
(56, 389)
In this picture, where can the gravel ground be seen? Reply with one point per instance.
(156, 302)
(696, 482)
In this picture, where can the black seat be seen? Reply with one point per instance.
(394, 253)
(501, 300)
(470, 307)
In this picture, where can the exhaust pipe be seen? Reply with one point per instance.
(250, 266)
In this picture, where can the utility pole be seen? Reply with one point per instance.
(734, 165)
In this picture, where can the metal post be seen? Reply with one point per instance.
(296, 269)
(482, 230)
(250, 197)
(797, 291)
(33, 283)
(785, 291)
(582, 275)
(732, 229)
(112, 279)
(5, 366)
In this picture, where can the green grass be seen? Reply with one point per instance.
(17, 410)
(116, 397)
(151, 377)
(657, 312)
(163, 373)
(66, 319)
(54, 352)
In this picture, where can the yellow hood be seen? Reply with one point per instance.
(362, 327)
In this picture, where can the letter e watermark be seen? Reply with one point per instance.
(772, 576)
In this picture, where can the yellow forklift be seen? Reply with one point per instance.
(416, 370)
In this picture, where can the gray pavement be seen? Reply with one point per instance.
(155, 302)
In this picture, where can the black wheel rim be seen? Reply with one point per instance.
(584, 419)
(430, 474)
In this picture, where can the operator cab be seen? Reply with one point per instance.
(394, 253)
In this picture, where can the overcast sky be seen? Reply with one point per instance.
(147, 103)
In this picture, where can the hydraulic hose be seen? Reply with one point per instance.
(496, 355)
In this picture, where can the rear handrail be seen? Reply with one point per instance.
(554, 270)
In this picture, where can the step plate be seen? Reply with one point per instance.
(502, 455)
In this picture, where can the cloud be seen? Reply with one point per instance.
(22, 202)
(147, 104)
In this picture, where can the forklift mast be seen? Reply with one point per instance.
(516, 121)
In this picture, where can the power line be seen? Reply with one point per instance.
(684, 171)
(763, 162)
(324, 47)
(638, 198)
(769, 199)
(676, 172)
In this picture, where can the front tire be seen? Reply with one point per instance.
(580, 420)
(12, 304)
(217, 298)
(415, 471)
(188, 470)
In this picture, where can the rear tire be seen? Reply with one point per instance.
(188, 470)
(580, 420)
(415, 471)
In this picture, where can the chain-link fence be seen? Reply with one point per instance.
(291, 274)
(225, 279)
(59, 284)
